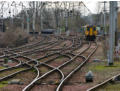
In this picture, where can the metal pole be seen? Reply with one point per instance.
(56, 14)
(101, 18)
(104, 18)
(66, 21)
(28, 22)
(112, 29)
(102, 31)
(2, 20)
(22, 22)
(22, 19)
(34, 15)
(66, 17)
(41, 17)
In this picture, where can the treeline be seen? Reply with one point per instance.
(49, 17)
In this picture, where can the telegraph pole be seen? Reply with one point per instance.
(66, 17)
(2, 19)
(22, 23)
(104, 17)
(41, 16)
(112, 29)
(34, 15)
(101, 18)
(28, 22)
(56, 14)
(66, 21)
(41, 21)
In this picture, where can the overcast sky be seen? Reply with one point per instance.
(92, 5)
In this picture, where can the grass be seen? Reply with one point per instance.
(103, 72)
(20, 69)
(1, 67)
(110, 87)
(60, 57)
(5, 73)
(43, 69)
(101, 66)
(3, 84)
(33, 70)
(107, 71)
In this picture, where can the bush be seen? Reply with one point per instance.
(11, 38)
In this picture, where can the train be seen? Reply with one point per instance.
(90, 32)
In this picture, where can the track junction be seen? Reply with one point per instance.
(53, 60)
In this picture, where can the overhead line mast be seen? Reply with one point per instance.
(112, 29)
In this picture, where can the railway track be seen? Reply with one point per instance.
(101, 86)
(79, 66)
(17, 66)
(48, 69)
(51, 44)
(27, 88)
(20, 72)
(43, 41)
(33, 50)
(22, 58)
(23, 49)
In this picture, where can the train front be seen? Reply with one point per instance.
(90, 33)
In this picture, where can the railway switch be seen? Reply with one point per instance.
(89, 76)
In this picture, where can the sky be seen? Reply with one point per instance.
(92, 5)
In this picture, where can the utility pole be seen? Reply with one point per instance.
(41, 21)
(2, 20)
(105, 17)
(101, 18)
(112, 29)
(66, 21)
(66, 17)
(22, 20)
(56, 14)
(101, 23)
(28, 22)
(41, 15)
(13, 15)
(34, 15)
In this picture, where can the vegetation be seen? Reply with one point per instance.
(103, 66)
(5, 60)
(110, 87)
(5, 73)
(13, 38)
(2, 67)
(3, 84)
(51, 18)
